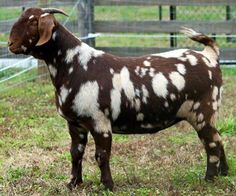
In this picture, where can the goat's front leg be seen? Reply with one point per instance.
(78, 144)
(103, 151)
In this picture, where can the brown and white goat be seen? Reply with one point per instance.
(102, 94)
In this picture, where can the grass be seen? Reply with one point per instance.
(35, 158)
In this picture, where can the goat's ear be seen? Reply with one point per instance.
(45, 27)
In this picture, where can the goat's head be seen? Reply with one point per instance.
(33, 28)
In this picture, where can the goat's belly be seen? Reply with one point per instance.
(130, 122)
(140, 128)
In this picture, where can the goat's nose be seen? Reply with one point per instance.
(10, 43)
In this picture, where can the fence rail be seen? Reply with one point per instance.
(166, 2)
(225, 27)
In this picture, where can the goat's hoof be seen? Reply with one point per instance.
(223, 172)
(109, 185)
(73, 183)
(210, 178)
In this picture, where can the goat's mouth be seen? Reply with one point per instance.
(17, 49)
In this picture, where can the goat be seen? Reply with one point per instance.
(102, 94)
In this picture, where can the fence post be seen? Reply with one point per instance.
(173, 40)
(228, 17)
(85, 20)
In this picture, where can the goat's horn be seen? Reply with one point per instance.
(54, 11)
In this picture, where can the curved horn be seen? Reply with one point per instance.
(54, 11)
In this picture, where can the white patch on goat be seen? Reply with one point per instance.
(220, 95)
(111, 71)
(115, 103)
(31, 16)
(211, 55)
(148, 58)
(145, 94)
(159, 85)
(106, 135)
(201, 125)
(86, 100)
(181, 68)
(116, 81)
(214, 105)
(200, 117)
(146, 126)
(54, 36)
(172, 96)
(207, 62)
(185, 111)
(30, 41)
(70, 53)
(166, 104)
(70, 70)
(43, 15)
(213, 118)
(137, 70)
(151, 72)
(216, 137)
(213, 159)
(81, 136)
(81, 148)
(137, 92)
(137, 104)
(171, 54)
(177, 80)
(86, 104)
(23, 48)
(64, 93)
(106, 112)
(59, 53)
(214, 92)
(196, 105)
(192, 59)
(86, 53)
(210, 74)
(140, 117)
(52, 70)
(127, 84)
(143, 71)
(147, 63)
(212, 145)
(116, 96)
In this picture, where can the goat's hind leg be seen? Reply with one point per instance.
(78, 144)
(216, 161)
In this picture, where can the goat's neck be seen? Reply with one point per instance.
(54, 52)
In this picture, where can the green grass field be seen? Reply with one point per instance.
(35, 158)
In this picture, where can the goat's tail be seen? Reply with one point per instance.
(210, 44)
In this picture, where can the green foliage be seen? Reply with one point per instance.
(228, 126)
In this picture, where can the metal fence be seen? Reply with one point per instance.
(124, 27)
